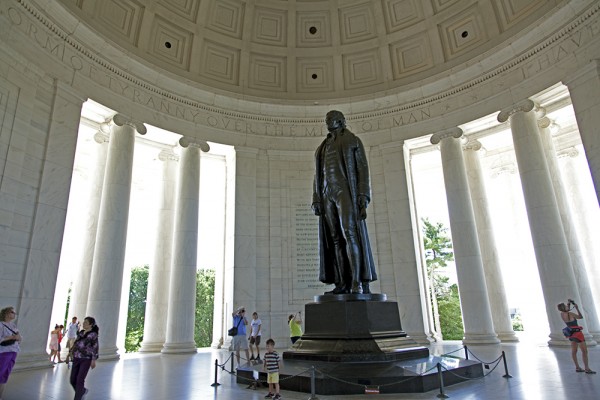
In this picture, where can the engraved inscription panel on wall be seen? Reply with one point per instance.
(305, 275)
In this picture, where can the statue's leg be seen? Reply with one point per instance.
(332, 220)
(350, 230)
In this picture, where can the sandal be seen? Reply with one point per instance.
(589, 371)
(579, 370)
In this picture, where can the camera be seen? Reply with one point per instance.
(570, 301)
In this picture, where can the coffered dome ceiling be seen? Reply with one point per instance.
(308, 49)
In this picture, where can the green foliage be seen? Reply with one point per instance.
(517, 323)
(68, 305)
(205, 289)
(450, 315)
(438, 251)
(205, 295)
(445, 302)
(134, 333)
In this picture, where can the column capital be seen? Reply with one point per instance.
(455, 133)
(187, 141)
(473, 144)
(508, 168)
(120, 120)
(168, 155)
(100, 137)
(522, 106)
(569, 152)
(547, 123)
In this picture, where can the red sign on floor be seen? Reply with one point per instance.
(371, 389)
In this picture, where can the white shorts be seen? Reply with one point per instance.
(240, 342)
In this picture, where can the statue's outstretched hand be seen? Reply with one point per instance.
(316, 207)
(363, 202)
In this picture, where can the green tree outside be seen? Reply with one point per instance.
(205, 289)
(445, 302)
(205, 295)
(134, 333)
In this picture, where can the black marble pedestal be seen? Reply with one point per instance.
(355, 341)
(354, 328)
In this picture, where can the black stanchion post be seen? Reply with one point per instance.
(216, 367)
(466, 353)
(442, 395)
(232, 367)
(506, 374)
(313, 395)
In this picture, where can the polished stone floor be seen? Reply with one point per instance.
(539, 372)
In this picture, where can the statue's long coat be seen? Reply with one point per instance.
(353, 163)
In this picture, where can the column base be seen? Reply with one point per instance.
(590, 339)
(421, 338)
(558, 341)
(595, 337)
(108, 354)
(507, 337)
(179, 348)
(32, 361)
(478, 338)
(151, 347)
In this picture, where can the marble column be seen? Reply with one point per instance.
(240, 272)
(584, 87)
(182, 291)
(487, 244)
(157, 298)
(81, 280)
(54, 127)
(109, 254)
(476, 311)
(549, 242)
(585, 298)
(406, 267)
(586, 212)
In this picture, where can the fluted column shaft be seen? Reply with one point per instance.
(81, 281)
(159, 275)
(182, 292)
(584, 88)
(586, 213)
(109, 254)
(58, 140)
(584, 296)
(550, 245)
(479, 328)
(487, 245)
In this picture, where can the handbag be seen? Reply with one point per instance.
(566, 331)
(9, 341)
(234, 331)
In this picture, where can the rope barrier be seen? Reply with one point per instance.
(439, 366)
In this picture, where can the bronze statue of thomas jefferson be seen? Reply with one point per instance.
(341, 194)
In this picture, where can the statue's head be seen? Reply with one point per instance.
(335, 120)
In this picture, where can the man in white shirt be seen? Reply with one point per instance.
(72, 330)
(255, 335)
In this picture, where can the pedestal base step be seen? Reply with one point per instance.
(409, 376)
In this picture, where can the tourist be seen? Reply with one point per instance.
(271, 365)
(255, 334)
(54, 343)
(239, 340)
(575, 335)
(85, 354)
(295, 324)
(9, 344)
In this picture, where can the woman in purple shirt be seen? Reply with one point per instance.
(85, 354)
